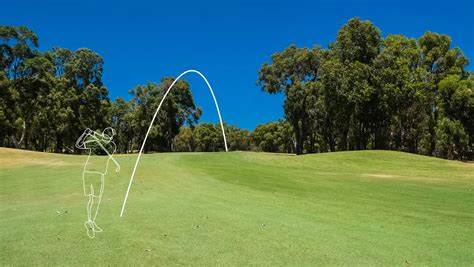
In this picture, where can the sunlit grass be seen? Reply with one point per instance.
(240, 208)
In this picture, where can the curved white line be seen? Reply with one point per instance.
(154, 117)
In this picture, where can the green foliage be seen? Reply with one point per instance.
(451, 139)
(366, 92)
(185, 141)
(456, 102)
(357, 41)
(295, 71)
(177, 109)
(122, 116)
(208, 137)
(237, 139)
(48, 98)
(274, 137)
(401, 92)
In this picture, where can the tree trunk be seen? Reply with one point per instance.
(16, 143)
(59, 144)
(343, 146)
(299, 140)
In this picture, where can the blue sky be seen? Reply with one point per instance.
(227, 41)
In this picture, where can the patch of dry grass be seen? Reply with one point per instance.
(15, 158)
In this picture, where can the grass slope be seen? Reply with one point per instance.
(364, 208)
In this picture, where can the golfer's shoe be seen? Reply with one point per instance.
(96, 228)
(90, 229)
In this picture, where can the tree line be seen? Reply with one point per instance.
(362, 92)
(47, 99)
(369, 92)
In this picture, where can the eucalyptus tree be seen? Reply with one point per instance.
(185, 141)
(177, 109)
(351, 76)
(401, 83)
(456, 105)
(17, 49)
(439, 60)
(274, 137)
(295, 72)
(121, 113)
(208, 137)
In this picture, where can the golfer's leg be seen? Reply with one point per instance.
(99, 196)
(88, 223)
(97, 199)
(90, 203)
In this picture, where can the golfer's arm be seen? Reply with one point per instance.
(112, 158)
(106, 151)
(87, 142)
(80, 141)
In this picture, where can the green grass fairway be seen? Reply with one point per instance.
(239, 208)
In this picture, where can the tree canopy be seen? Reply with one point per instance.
(369, 92)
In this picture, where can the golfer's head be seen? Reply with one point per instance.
(108, 133)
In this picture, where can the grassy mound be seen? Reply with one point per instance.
(365, 207)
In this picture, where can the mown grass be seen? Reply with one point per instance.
(240, 208)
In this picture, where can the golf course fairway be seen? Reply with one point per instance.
(241, 208)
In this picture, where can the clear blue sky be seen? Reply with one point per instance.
(143, 41)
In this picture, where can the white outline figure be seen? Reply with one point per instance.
(154, 117)
(91, 177)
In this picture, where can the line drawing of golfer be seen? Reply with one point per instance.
(95, 169)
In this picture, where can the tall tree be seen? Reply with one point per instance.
(208, 137)
(357, 45)
(122, 122)
(295, 72)
(17, 51)
(439, 61)
(456, 102)
(273, 137)
(400, 83)
(177, 109)
(185, 141)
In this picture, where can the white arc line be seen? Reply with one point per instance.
(153, 120)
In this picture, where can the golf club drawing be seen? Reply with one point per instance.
(93, 175)
(153, 120)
